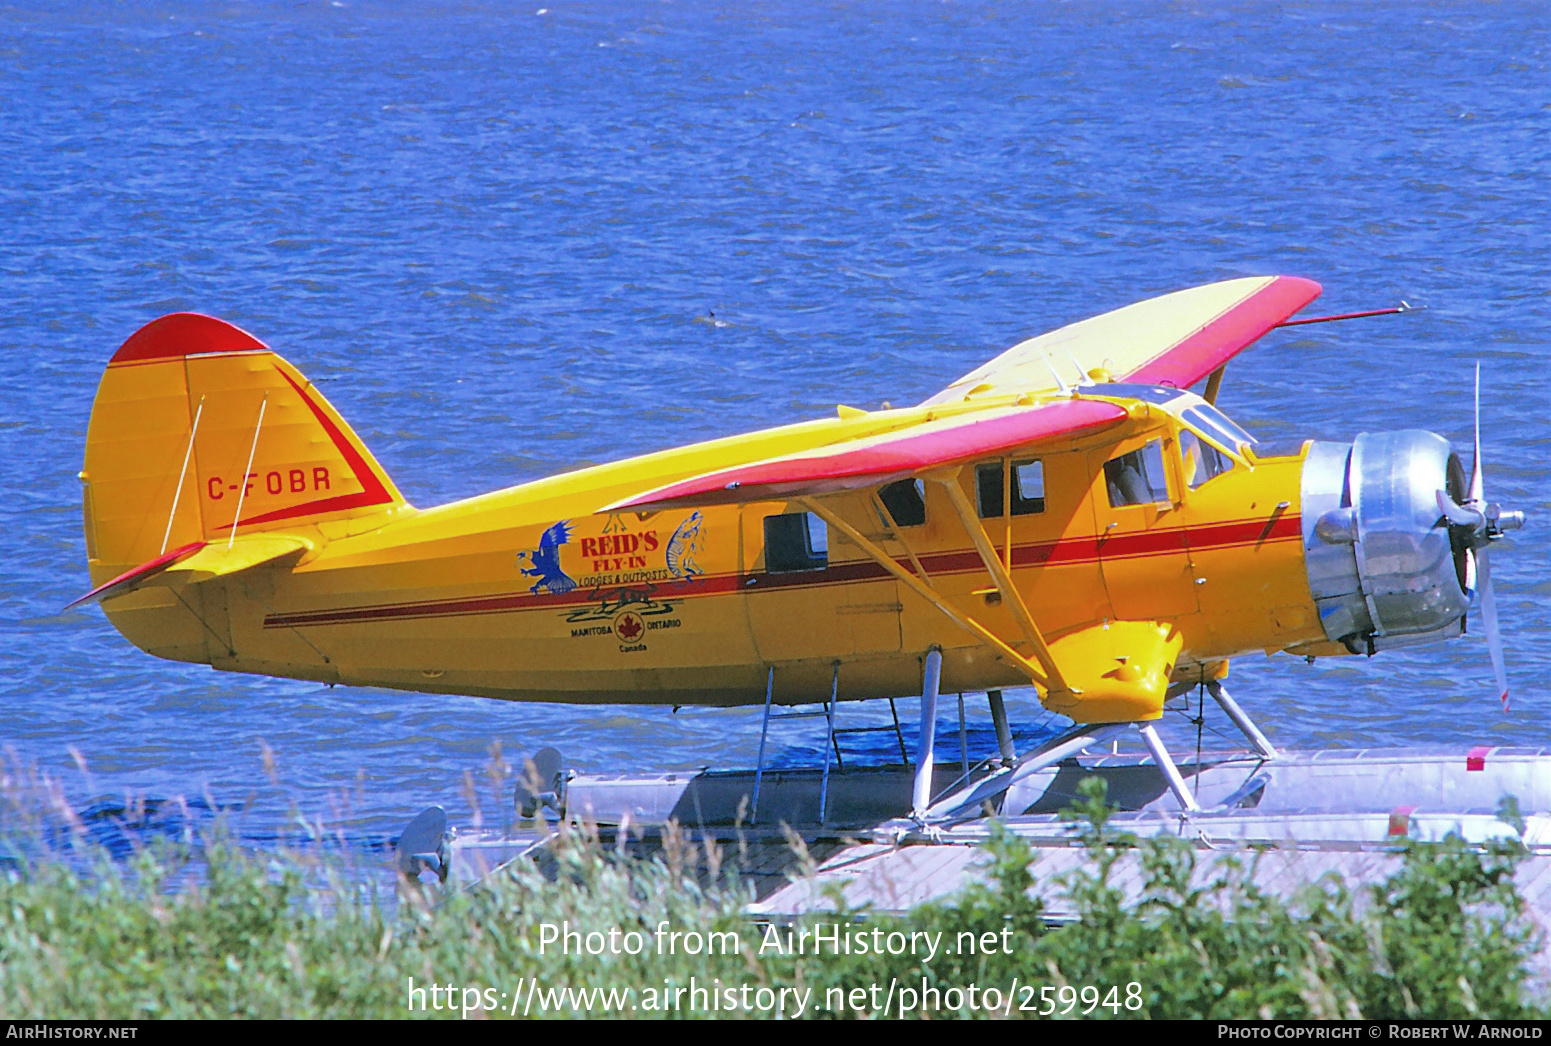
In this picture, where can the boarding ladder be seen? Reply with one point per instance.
(832, 737)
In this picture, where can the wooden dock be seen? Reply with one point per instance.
(1288, 823)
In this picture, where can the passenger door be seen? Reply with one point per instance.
(1142, 543)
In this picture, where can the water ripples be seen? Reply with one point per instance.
(494, 239)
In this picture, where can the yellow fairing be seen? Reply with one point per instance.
(1118, 671)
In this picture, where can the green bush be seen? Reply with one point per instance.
(1444, 937)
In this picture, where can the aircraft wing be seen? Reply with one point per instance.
(879, 459)
(1176, 339)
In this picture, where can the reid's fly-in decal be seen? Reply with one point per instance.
(546, 561)
(622, 556)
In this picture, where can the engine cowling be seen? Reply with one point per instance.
(1382, 565)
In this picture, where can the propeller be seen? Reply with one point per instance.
(1473, 526)
(542, 781)
(423, 844)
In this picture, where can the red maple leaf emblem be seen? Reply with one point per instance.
(629, 627)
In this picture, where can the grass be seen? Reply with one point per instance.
(217, 932)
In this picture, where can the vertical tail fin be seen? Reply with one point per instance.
(199, 432)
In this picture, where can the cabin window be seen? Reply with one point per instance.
(905, 501)
(795, 541)
(1202, 460)
(1028, 488)
(1138, 477)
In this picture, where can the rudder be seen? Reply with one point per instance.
(195, 419)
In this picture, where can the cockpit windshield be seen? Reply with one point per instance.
(1216, 425)
(1202, 461)
(1210, 422)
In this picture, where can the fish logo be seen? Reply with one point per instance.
(684, 546)
(546, 561)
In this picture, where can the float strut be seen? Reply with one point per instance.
(1165, 763)
(921, 795)
(963, 739)
(971, 796)
(1003, 731)
(764, 732)
(829, 740)
(1242, 721)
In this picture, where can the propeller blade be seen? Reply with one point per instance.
(1458, 514)
(423, 844)
(1494, 638)
(540, 782)
(1477, 495)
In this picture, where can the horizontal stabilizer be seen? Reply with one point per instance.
(199, 561)
(1176, 339)
(878, 459)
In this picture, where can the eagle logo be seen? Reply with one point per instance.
(546, 561)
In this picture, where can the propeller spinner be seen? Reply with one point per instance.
(1473, 526)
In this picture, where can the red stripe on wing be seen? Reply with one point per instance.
(877, 460)
(1192, 359)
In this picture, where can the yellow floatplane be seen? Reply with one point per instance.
(1068, 516)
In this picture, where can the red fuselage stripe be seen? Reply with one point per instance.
(1175, 541)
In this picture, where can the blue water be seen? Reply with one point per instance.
(493, 235)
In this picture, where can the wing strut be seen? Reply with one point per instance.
(1214, 385)
(999, 574)
(1034, 671)
(893, 533)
